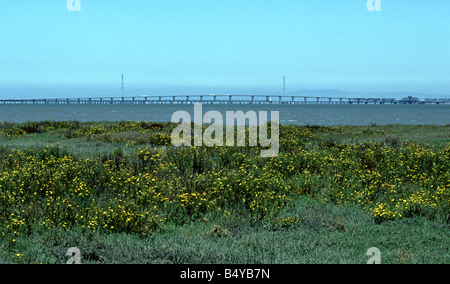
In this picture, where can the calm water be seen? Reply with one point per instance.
(289, 114)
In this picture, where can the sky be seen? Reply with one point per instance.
(212, 46)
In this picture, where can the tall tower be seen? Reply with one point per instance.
(122, 88)
(284, 85)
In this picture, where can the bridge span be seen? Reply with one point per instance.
(225, 99)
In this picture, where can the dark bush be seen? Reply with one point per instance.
(32, 127)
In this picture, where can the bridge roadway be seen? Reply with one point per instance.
(221, 99)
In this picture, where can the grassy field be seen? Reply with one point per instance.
(122, 194)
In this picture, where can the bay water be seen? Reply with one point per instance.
(289, 114)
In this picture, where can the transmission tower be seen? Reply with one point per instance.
(122, 88)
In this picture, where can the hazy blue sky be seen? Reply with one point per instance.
(222, 46)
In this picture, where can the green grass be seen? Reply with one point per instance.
(317, 202)
(326, 234)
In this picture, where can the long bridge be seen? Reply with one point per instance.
(225, 99)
